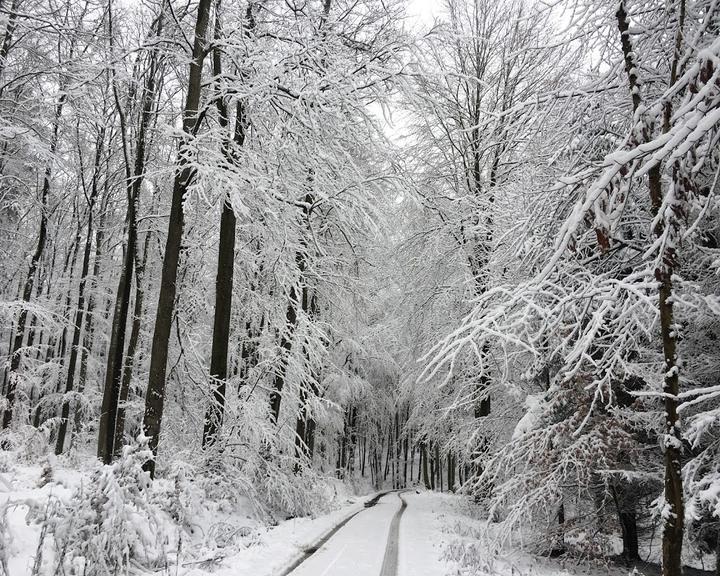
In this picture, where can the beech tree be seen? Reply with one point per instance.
(110, 431)
(184, 174)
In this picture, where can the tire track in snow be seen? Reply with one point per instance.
(390, 561)
(310, 550)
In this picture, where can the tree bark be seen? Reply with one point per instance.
(88, 336)
(130, 362)
(115, 355)
(7, 40)
(32, 269)
(80, 308)
(226, 257)
(285, 350)
(424, 461)
(184, 175)
(673, 529)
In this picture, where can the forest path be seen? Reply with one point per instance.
(367, 545)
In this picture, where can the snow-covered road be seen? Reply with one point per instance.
(399, 536)
(359, 547)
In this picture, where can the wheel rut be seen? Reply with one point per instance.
(310, 550)
(390, 561)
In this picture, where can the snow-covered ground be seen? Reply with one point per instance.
(438, 535)
(359, 547)
(278, 547)
(226, 539)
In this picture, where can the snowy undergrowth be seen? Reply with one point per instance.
(472, 548)
(75, 516)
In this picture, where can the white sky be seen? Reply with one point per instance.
(424, 11)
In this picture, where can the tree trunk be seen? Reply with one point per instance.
(107, 429)
(35, 259)
(628, 523)
(405, 460)
(131, 348)
(88, 336)
(7, 40)
(80, 308)
(285, 350)
(364, 455)
(184, 175)
(432, 469)
(226, 257)
(673, 530)
(424, 462)
(438, 466)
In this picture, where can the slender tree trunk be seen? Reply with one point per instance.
(108, 430)
(130, 362)
(7, 40)
(412, 461)
(226, 259)
(364, 455)
(433, 462)
(439, 466)
(673, 530)
(67, 312)
(88, 336)
(80, 308)
(396, 476)
(113, 373)
(286, 349)
(35, 259)
(423, 466)
(184, 175)
(405, 461)
(388, 454)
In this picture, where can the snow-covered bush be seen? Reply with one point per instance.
(113, 521)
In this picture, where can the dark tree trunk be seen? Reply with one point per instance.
(92, 301)
(131, 348)
(184, 175)
(412, 460)
(405, 460)
(388, 454)
(115, 353)
(364, 456)
(32, 269)
(7, 40)
(285, 350)
(432, 469)
(673, 529)
(424, 462)
(80, 308)
(108, 428)
(226, 257)
(628, 523)
(438, 466)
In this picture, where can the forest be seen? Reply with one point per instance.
(260, 259)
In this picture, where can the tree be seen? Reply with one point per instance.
(110, 430)
(596, 301)
(184, 174)
(226, 249)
